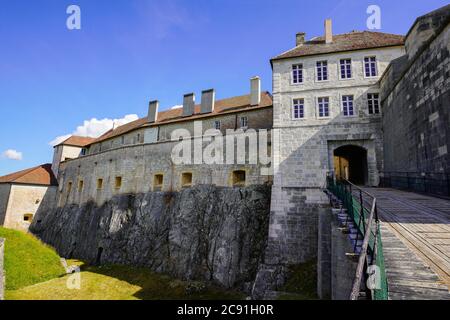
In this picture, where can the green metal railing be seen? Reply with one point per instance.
(362, 210)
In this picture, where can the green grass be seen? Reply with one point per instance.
(121, 283)
(301, 283)
(34, 272)
(27, 260)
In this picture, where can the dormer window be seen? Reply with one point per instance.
(346, 68)
(297, 73)
(370, 67)
(322, 70)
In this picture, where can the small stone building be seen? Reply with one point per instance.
(23, 193)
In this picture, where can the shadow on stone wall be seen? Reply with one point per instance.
(206, 232)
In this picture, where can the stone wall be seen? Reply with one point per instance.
(26, 200)
(204, 233)
(2, 272)
(4, 198)
(137, 166)
(416, 102)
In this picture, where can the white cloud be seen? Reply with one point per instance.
(177, 107)
(95, 128)
(13, 154)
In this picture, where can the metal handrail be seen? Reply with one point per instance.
(371, 252)
(363, 255)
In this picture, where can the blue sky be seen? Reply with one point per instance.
(131, 51)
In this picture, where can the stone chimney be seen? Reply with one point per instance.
(208, 100)
(153, 111)
(328, 31)
(188, 104)
(255, 93)
(300, 38)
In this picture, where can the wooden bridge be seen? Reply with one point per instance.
(415, 232)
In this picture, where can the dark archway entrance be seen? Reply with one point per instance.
(350, 162)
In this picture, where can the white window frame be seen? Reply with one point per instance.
(364, 67)
(303, 108)
(321, 68)
(318, 107)
(353, 105)
(217, 124)
(379, 105)
(244, 120)
(302, 72)
(340, 71)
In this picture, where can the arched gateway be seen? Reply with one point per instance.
(350, 162)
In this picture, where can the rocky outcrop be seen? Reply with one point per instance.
(205, 233)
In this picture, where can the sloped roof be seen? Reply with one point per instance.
(40, 175)
(356, 40)
(234, 104)
(77, 141)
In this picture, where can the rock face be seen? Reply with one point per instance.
(204, 233)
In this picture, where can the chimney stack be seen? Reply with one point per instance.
(255, 93)
(328, 31)
(300, 38)
(208, 100)
(153, 111)
(188, 104)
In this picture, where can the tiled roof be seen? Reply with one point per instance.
(356, 40)
(40, 175)
(77, 141)
(239, 103)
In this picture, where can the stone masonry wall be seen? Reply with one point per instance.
(137, 165)
(416, 110)
(4, 198)
(25, 199)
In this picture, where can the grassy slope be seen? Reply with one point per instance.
(27, 260)
(301, 283)
(119, 283)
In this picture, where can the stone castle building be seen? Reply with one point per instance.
(358, 105)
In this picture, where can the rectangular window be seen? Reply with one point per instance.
(347, 106)
(297, 73)
(118, 182)
(122, 139)
(238, 178)
(158, 181)
(373, 102)
(346, 68)
(83, 151)
(217, 125)
(370, 66)
(298, 111)
(324, 107)
(80, 185)
(244, 122)
(322, 70)
(69, 187)
(99, 184)
(186, 179)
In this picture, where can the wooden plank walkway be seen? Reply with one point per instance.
(416, 243)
